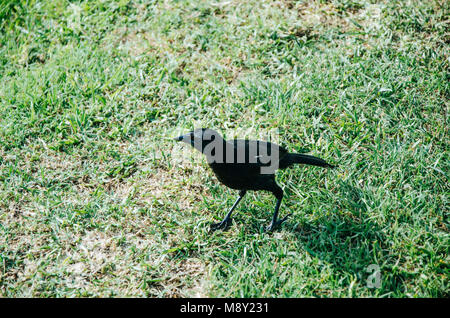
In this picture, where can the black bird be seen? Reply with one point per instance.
(246, 165)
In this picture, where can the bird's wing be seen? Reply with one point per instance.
(257, 152)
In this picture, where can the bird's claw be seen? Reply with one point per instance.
(277, 223)
(225, 224)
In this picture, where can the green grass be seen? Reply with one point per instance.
(94, 203)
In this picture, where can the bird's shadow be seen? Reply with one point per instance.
(345, 234)
(346, 237)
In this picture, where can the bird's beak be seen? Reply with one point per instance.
(179, 138)
(183, 137)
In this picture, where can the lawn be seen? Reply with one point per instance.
(97, 200)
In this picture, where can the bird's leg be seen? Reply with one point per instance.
(275, 222)
(226, 222)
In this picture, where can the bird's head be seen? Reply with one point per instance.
(200, 138)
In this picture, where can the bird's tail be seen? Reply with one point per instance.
(293, 158)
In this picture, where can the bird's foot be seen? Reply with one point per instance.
(225, 224)
(277, 223)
